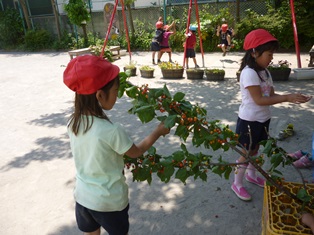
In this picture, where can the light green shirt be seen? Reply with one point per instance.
(98, 156)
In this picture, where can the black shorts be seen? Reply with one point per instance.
(259, 132)
(190, 53)
(154, 46)
(115, 222)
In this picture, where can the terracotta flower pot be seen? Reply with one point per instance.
(132, 71)
(280, 74)
(215, 74)
(194, 73)
(172, 73)
(147, 73)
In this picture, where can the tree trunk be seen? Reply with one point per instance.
(26, 16)
(130, 18)
(56, 14)
(85, 35)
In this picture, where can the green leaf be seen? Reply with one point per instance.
(182, 175)
(145, 113)
(170, 121)
(166, 91)
(182, 132)
(178, 96)
(178, 156)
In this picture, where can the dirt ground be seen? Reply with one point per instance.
(36, 167)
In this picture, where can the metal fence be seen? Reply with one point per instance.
(174, 9)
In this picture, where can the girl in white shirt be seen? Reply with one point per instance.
(258, 94)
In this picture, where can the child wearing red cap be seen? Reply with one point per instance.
(164, 45)
(155, 44)
(225, 35)
(258, 95)
(98, 146)
(190, 44)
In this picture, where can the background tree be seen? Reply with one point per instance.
(128, 4)
(78, 14)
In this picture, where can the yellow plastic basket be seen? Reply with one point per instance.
(282, 214)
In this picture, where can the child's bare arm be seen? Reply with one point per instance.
(139, 149)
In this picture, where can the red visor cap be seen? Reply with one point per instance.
(224, 27)
(87, 74)
(256, 38)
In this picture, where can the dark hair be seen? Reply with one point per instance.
(249, 60)
(88, 105)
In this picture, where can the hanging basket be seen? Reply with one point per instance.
(132, 71)
(215, 74)
(147, 73)
(172, 73)
(194, 74)
(280, 74)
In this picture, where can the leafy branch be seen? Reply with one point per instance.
(191, 120)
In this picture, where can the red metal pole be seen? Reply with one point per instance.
(187, 29)
(199, 30)
(126, 30)
(295, 33)
(109, 28)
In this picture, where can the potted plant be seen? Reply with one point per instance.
(131, 67)
(215, 74)
(147, 71)
(171, 70)
(280, 71)
(195, 73)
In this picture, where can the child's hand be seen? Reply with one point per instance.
(162, 130)
(308, 220)
(298, 98)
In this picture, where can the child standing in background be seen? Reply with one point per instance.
(98, 146)
(164, 45)
(156, 41)
(190, 44)
(258, 95)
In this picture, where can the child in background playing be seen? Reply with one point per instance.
(258, 95)
(98, 146)
(164, 45)
(155, 45)
(190, 45)
(225, 35)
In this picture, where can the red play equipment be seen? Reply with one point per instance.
(198, 29)
(110, 26)
(295, 32)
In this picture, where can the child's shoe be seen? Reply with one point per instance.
(154, 61)
(196, 66)
(259, 181)
(242, 193)
(158, 61)
(297, 155)
(303, 162)
(224, 53)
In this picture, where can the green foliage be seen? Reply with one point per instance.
(189, 123)
(77, 11)
(11, 28)
(37, 40)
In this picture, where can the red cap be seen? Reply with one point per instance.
(88, 73)
(256, 38)
(159, 24)
(224, 27)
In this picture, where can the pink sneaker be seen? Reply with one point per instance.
(242, 193)
(304, 162)
(259, 181)
(297, 155)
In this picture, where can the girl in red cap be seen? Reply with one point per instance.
(258, 95)
(98, 146)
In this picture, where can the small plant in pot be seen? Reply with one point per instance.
(171, 70)
(194, 73)
(130, 68)
(147, 71)
(215, 74)
(280, 71)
